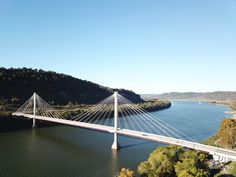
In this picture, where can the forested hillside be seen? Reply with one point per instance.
(17, 85)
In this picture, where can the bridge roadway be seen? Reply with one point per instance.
(229, 154)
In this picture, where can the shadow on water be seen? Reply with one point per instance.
(136, 144)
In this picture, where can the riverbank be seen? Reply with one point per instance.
(9, 123)
(232, 105)
(225, 137)
(69, 111)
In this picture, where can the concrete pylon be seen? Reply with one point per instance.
(115, 144)
(34, 110)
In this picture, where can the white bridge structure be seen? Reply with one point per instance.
(119, 116)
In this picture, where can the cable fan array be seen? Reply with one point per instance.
(130, 116)
(42, 108)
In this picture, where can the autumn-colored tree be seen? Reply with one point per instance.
(227, 133)
(174, 161)
(124, 172)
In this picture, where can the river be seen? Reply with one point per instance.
(63, 151)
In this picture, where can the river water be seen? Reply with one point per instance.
(63, 151)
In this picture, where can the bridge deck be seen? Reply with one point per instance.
(142, 135)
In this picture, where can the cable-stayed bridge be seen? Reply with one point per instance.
(119, 116)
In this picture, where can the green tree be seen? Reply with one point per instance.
(161, 162)
(192, 163)
(174, 161)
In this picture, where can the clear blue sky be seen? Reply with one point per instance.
(149, 46)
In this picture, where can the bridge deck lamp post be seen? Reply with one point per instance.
(115, 144)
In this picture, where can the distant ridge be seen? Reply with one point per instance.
(18, 84)
(218, 95)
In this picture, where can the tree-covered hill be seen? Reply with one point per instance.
(17, 85)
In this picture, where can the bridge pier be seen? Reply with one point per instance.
(34, 123)
(34, 110)
(115, 144)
